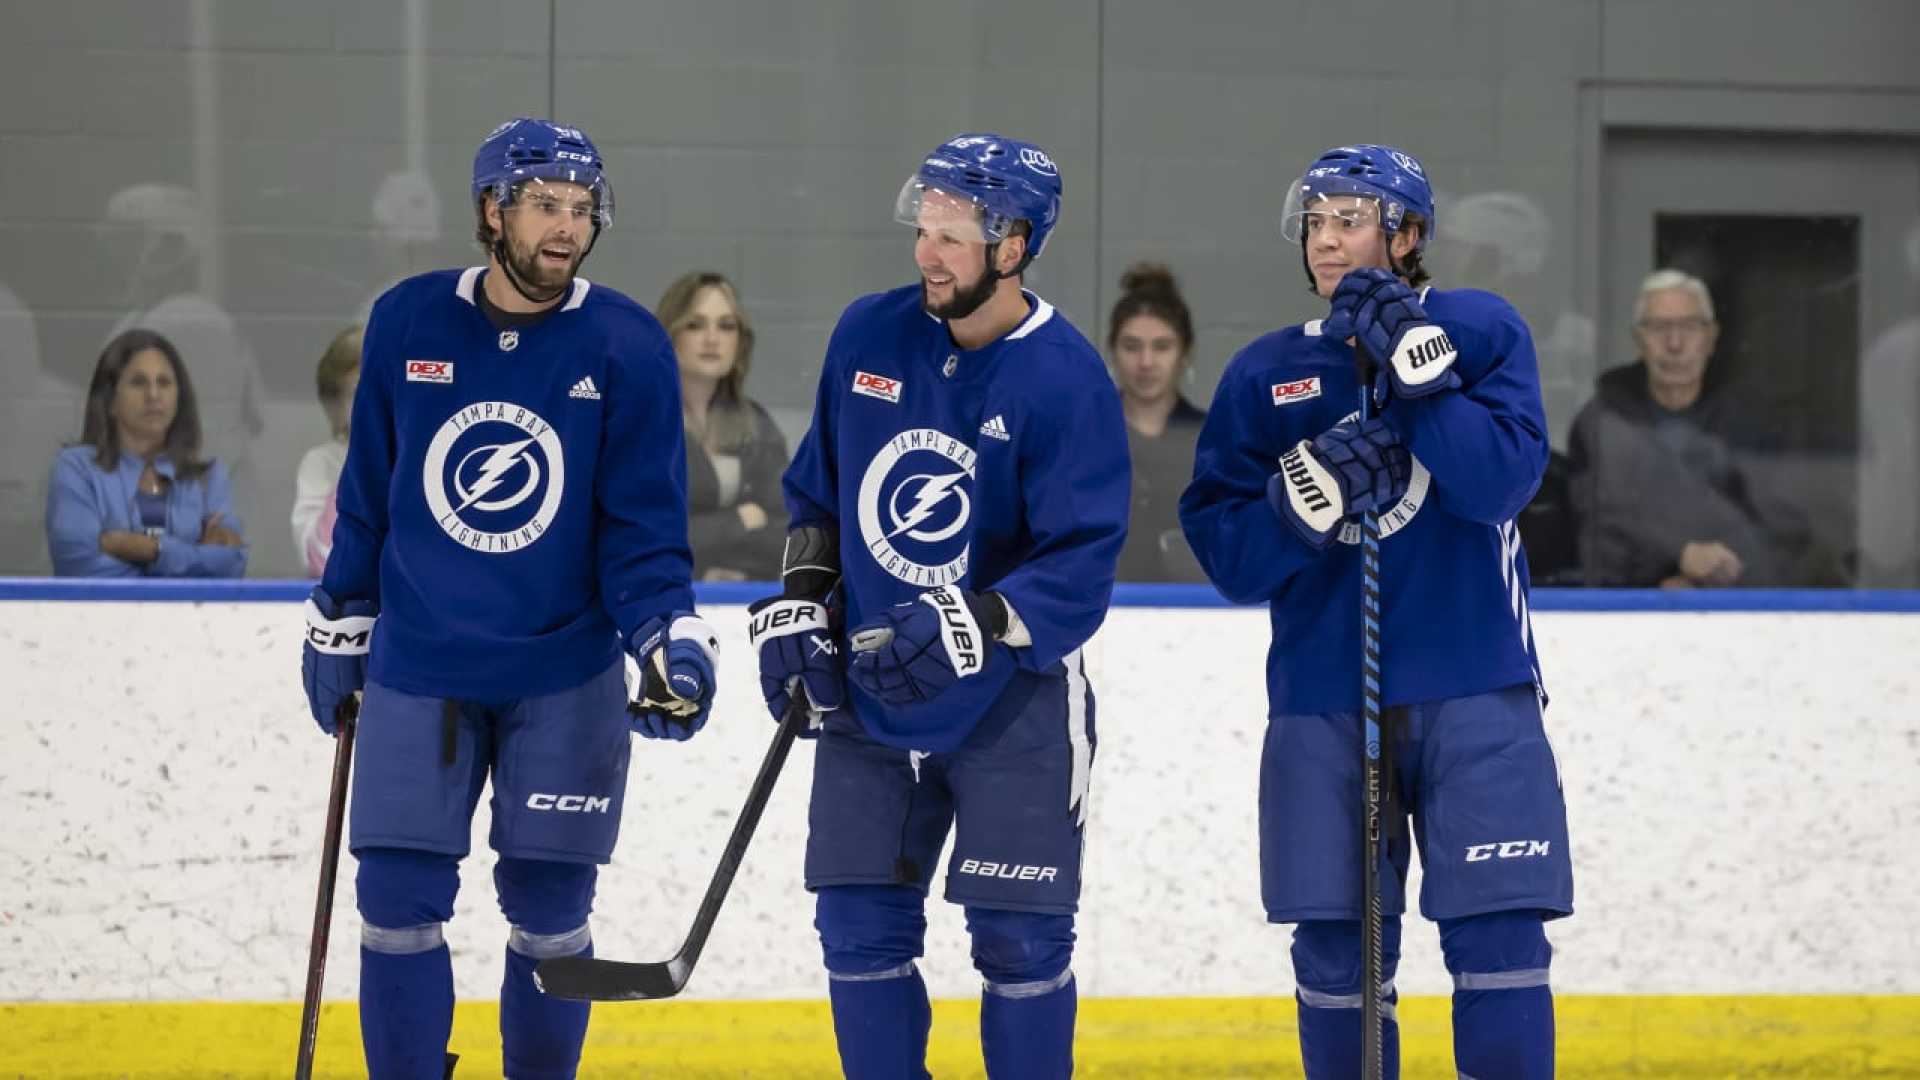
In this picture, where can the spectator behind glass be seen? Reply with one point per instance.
(133, 498)
(736, 517)
(336, 379)
(1663, 463)
(1150, 347)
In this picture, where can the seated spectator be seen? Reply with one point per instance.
(336, 379)
(1150, 347)
(736, 516)
(1663, 466)
(133, 497)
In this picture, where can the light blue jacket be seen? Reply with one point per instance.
(84, 501)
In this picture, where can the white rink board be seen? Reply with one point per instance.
(1741, 789)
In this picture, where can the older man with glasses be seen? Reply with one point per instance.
(1662, 470)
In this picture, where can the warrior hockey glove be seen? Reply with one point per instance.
(919, 648)
(677, 656)
(1348, 469)
(1384, 317)
(795, 640)
(333, 662)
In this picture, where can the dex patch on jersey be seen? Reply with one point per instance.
(433, 371)
(494, 476)
(916, 504)
(877, 386)
(1292, 393)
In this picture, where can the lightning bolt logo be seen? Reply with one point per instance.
(473, 474)
(918, 485)
(500, 459)
(934, 490)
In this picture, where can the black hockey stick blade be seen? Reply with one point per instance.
(590, 978)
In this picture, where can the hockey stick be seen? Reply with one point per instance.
(1372, 929)
(584, 978)
(347, 715)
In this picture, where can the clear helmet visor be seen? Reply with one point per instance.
(1313, 204)
(942, 211)
(557, 190)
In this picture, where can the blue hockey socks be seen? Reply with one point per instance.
(1028, 1004)
(406, 973)
(1502, 1006)
(1327, 975)
(546, 903)
(870, 935)
(540, 1036)
(406, 1010)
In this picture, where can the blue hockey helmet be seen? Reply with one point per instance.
(529, 149)
(1005, 179)
(1394, 178)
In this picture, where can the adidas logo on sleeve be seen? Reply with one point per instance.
(996, 428)
(585, 389)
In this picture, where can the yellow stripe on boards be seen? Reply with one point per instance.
(1674, 1038)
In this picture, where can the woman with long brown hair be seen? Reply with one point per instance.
(134, 497)
(736, 517)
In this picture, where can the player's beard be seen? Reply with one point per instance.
(546, 282)
(965, 301)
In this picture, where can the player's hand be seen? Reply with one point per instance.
(798, 654)
(1348, 469)
(918, 649)
(677, 657)
(1384, 317)
(333, 661)
(1711, 562)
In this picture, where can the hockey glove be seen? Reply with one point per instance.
(1348, 469)
(919, 648)
(795, 640)
(1384, 317)
(333, 661)
(677, 656)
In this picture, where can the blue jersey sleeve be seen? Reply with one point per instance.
(1077, 487)
(811, 484)
(1247, 552)
(1485, 444)
(361, 501)
(641, 494)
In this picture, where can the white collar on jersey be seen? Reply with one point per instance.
(1042, 311)
(1311, 327)
(471, 276)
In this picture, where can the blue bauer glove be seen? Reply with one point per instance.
(1384, 317)
(918, 649)
(1345, 471)
(795, 639)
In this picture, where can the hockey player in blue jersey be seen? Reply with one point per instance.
(1283, 471)
(965, 486)
(512, 518)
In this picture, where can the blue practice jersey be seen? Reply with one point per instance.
(513, 498)
(1002, 468)
(1453, 577)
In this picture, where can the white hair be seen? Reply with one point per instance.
(1669, 278)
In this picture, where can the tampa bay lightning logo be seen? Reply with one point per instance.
(915, 505)
(493, 477)
(1400, 514)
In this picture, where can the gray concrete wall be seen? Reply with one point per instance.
(235, 153)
